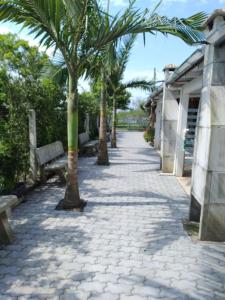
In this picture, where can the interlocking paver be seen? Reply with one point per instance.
(104, 296)
(128, 244)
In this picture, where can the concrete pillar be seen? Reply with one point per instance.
(181, 126)
(208, 179)
(33, 144)
(169, 125)
(158, 123)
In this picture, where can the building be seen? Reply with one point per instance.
(190, 127)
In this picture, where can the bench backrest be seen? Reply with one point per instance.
(83, 138)
(49, 152)
(6, 202)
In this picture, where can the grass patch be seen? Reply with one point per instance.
(192, 229)
(130, 127)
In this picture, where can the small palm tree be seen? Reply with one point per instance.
(79, 29)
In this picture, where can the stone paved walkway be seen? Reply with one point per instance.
(129, 243)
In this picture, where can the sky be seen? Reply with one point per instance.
(158, 50)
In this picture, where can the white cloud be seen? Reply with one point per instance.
(4, 30)
(138, 94)
(115, 3)
(169, 2)
(120, 3)
(32, 42)
(83, 85)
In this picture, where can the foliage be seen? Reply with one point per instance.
(149, 135)
(21, 89)
(132, 119)
(89, 103)
(137, 113)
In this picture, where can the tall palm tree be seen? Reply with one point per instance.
(79, 29)
(103, 157)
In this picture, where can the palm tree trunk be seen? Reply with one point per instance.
(113, 138)
(103, 158)
(72, 197)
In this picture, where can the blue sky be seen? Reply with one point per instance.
(158, 50)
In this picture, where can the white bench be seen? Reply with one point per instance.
(6, 234)
(51, 158)
(87, 146)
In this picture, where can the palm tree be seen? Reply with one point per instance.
(118, 62)
(117, 90)
(79, 29)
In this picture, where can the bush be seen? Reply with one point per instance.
(88, 103)
(16, 98)
(22, 88)
(149, 135)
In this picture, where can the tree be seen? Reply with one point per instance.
(19, 59)
(78, 29)
(88, 104)
(118, 63)
(22, 88)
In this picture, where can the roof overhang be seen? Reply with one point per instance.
(189, 70)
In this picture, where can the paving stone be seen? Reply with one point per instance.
(5, 297)
(94, 286)
(146, 291)
(28, 290)
(106, 277)
(75, 295)
(104, 296)
(133, 297)
(119, 270)
(120, 288)
(129, 242)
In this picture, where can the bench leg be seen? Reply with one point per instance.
(43, 176)
(6, 234)
(62, 175)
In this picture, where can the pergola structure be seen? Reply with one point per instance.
(190, 127)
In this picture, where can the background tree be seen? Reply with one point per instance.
(22, 88)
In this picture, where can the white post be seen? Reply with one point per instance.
(158, 123)
(87, 123)
(181, 126)
(33, 144)
(169, 126)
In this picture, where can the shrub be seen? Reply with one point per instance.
(149, 135)
(16, 98)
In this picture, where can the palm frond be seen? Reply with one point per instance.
(142, 84)
(134, 21)
(81, 28)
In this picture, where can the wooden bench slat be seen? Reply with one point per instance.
(57, 164)
(83, 138)
(49, 152)
(91, 144)
(50, 158)
(89, 147)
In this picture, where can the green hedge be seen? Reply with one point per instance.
(149, 135)
(16, 98)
